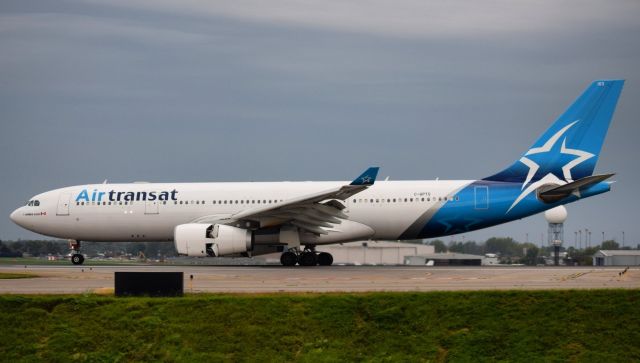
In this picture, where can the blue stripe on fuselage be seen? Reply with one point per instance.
(464, 215)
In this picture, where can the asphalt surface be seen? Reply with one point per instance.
(264, 279)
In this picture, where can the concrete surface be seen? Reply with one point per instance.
(73, 279)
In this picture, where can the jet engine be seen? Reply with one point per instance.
(196, 239)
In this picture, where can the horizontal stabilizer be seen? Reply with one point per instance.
(557, 193)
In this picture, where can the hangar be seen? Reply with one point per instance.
(444, 259)
(374, 252)
(366, 252)
(616, 258)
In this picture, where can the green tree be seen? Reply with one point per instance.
(439, 245)
(506, 246)
(610, 245)
(531, 256)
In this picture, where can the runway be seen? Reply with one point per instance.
(269, 279)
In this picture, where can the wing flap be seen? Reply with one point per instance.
(311, 212)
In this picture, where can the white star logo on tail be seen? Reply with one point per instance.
(550, 178)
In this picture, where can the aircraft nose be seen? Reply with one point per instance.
(15, 216)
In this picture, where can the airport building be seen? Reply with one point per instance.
(444, 259)
(616, 258)
(374, 252)
(365, 252)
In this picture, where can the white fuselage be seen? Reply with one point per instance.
(105, 212)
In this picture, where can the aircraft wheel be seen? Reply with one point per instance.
(325, 259)
(308, 259)
(77, 259)
(288, 259)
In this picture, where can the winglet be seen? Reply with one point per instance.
(367, 178)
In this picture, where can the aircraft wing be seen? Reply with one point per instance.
(312, 212)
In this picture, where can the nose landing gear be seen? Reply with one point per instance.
(76, 257)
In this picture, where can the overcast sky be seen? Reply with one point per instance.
(309, 90)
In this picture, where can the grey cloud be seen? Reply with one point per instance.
(145, 91)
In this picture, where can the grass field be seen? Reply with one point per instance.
(5, 275)
(525, 326)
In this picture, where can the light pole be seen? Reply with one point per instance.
(586, 237)
(575, 240)
(580, 243)
(623, 239)
(602, 237)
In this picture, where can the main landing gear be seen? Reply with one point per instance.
(308, 257)
(76, 257)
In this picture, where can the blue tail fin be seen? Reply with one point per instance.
(569, 149)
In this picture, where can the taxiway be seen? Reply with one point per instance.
(269, 279)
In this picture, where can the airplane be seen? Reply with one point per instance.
(254, 218)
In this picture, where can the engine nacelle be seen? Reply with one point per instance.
(196, 239)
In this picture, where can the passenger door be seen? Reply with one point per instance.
(482, 197)
(63, 204)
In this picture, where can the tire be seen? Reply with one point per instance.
(288, 259)
(325, 259)
(308, 259)
(77, 259)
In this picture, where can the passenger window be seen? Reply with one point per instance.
(423, 199)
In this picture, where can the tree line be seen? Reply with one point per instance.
(512, 251)
(39, 248)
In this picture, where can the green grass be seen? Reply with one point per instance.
(5, 275)
(524, 326)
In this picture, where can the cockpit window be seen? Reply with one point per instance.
(36, 203)
(33, 203)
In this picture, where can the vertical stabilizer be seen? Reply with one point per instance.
(569, 149)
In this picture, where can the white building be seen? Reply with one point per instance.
(374, 252)
(444, 259)
(616, 258)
